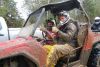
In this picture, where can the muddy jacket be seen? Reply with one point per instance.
(67, 32)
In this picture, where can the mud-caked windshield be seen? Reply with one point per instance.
(32, 23)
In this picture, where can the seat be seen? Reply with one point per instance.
(77, 51)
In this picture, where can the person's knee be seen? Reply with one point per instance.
(56, 48)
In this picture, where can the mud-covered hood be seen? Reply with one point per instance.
(27, 47)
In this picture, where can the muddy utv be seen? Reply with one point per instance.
(27, 51)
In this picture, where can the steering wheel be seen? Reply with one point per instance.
(47, 32)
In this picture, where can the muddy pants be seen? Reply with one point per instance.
(57, 52)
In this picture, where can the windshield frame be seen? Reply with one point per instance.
(49, 7)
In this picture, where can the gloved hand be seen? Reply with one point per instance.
(55, 29)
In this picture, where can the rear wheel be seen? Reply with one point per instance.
(98, 60)
(94, 60)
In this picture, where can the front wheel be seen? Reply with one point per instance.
(18, 61)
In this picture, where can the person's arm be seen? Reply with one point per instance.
(69, 33)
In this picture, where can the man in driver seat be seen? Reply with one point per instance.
(66, 30)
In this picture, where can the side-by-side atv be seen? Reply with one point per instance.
(27, 49)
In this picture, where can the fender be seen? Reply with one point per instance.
(28, 48)
(96, 36)
(88, 44)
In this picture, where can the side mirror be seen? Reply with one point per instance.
(1, 34)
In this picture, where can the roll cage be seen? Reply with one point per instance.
(54, 9)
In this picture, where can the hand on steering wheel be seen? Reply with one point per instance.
(52, 35)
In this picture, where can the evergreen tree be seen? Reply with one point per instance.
(89, 6)
(10, 13)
